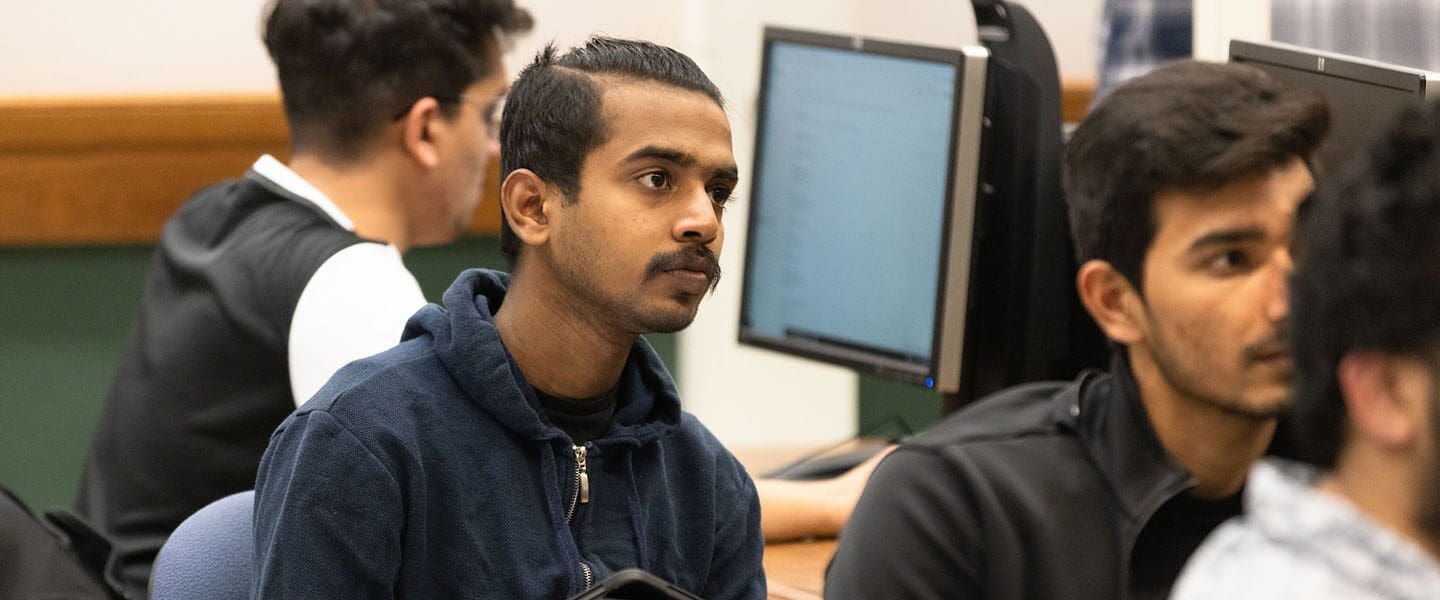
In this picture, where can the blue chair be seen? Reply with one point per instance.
(210, 554)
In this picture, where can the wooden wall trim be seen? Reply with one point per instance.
(140, 122)
(88, 171)
(1075, 96)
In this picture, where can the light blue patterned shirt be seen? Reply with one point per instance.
(1136, 35)
(1297, 542)
(1401, 32)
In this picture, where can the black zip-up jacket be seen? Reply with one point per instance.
(1048, 490)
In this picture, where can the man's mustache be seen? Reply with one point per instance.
(1274, 345)
(690, 258)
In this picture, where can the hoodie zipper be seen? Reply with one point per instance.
(589, 576)
(580, 495)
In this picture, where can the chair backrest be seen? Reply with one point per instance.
(60, 556)
(209, 555)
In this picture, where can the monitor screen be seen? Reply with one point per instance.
(853, 201)
(1364, 95)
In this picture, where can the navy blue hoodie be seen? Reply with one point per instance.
(427, 471)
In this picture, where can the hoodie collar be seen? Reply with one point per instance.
(464, 337)
(1115, 430)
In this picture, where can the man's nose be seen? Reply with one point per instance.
(700, 219)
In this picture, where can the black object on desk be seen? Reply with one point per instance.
(634, 584)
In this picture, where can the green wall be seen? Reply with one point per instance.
(64, 316)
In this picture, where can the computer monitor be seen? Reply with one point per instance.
(862, 210)
(1364, 95)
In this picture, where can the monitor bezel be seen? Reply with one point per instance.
(942, 370)
(1320, 62)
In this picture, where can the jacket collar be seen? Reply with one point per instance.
(1106, 413)
(464, 337)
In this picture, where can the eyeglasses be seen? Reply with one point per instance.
(488, 107)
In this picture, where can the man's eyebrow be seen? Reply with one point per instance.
(1227, 237)
(679, 157)
(727, 172)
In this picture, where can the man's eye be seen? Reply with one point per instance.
(721, 194)
(656, 180)
(1229, 261)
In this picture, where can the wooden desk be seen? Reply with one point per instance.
(793, 570)
(796, 570)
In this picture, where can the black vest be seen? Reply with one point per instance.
(204, 379)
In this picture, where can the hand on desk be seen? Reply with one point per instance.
(817, 508)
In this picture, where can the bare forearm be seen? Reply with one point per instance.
(792, 510)
(799, 509)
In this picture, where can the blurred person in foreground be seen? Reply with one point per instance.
(1360, 516)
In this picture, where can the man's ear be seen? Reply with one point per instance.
(1111, 301)
(523, 197)
(418, 131)
(1386, 396)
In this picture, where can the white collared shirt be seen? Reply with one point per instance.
(355, 304)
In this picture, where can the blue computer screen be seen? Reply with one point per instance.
(849, 205)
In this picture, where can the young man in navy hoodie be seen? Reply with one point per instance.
(524, 441)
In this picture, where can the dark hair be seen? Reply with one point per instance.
(1188, 126)
(552, 117)
(1368, 274)
(347, 67)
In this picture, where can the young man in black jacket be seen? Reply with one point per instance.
(1182, 185)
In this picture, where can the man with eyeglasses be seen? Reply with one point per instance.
(263, 286)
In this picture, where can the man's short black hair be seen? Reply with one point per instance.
(347, 67)
(552, 117)
(1190, 126)
(1368, 272)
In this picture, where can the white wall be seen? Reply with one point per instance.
(67, 47)
(1074, 30)
(568, 22)
(748, 397)
(1219, 21)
